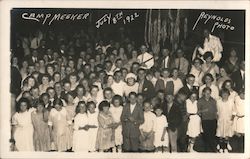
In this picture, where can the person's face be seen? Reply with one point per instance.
(27, 95)
(116, 103)
(131, 81)
(170, 98)
(45, 80)
(91, 108)
(80, 92)
(160, 95)
(50, 70)
(82, 108)
(23, 106)
(57, 77)
(31, 82)
(165, 74)
(157, 75)
(82, 54)
(158, 112)
(233, 53)
(175, 73)
(134, 54)
(25, 64)
(132, 99)
(119, 64)
(118, 77)
(66, 87)
(179, 53)
(71, 64)
(39, 108)
(207, 94)
(41, 63)
(15, 61)
(209, 59)
(31, 69)
(223, 72)
(121, 51)
(58, 88)
(165, 52)
(110, 79)
(208, 80)
(228, 85)
(108, 65)
(108, 94)
(197, 63)
(58, 107)
(73, 79)
(191, 81)
(225, 95)
(35, 92)
(141, 75)
(135, 67)
(70, 98)
(34, 53)
(49, 52)
(94, 91)
(106, 109)
(51, 93)
(147, 107)
(193, 97)
(92, 61)
(143, 49)
(45, 99)
(206, 33)
(182, 97)
(68, 70)
(140, 99)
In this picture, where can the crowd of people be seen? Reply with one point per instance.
(70, 93)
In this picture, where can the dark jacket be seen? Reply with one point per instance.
(174, 116)
(129, 128)
(238, 80)
(169, 89)
(148, 89)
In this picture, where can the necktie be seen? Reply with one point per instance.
(179, 64)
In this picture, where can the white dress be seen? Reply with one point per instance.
(116, 113)
(24, 130)
(160, 125)
(239, 120)
(92, 132)
(194, 124)
(225, 113)
(80, 137)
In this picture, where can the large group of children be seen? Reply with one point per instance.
(73, 94)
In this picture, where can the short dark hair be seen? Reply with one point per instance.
(132, 93)
(117, 97)
(22, 100)
(208, 54)
(90, 103)
(207, 88)
(103, 104)
(58, 101)
(77, 110)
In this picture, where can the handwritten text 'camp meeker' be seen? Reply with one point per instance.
(115, 18)
(220, 22)
(50, 18)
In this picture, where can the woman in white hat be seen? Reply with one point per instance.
(131, 84)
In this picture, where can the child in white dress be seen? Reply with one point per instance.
(80, 135)
(194, 124)
(93, 124)
(22, 128)
(225, 107)
(161, 136)
(116, 111)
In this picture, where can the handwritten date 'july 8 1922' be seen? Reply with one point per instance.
(114, 19)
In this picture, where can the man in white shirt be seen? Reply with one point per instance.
(118, 85)
(145, 59)
(213, 44)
